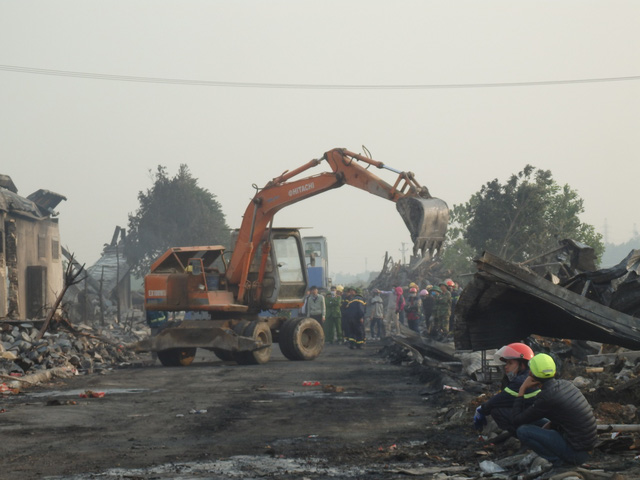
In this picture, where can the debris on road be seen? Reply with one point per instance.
(92, 394)
(63, 350)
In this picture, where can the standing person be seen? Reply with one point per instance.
(516, 358)
(315, 306)
(455, 293)
(571, 431)
(400, 303)
(344, 296)
(333, 322)
(442, 311)
(377, 315)
(157, 321)
(354, 318)
(412, 309)
(428, 302)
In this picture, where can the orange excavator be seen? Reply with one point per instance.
(266, 270)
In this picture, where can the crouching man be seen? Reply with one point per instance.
(571, 430)
(516, 358)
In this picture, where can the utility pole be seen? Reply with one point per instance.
(118, 280)
(403, 250)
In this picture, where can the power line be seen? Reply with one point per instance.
(303, 86)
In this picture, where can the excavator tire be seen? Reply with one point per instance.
(224, 355)
(177, 357)
(284, 338)
(240, 327)
(261, 332)
(301, 339)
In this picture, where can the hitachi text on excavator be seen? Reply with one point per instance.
(266, 269)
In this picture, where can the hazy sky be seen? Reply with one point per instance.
(94, 140)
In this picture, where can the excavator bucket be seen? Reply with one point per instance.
(427, 220)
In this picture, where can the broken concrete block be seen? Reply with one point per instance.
(9, 355)
(581, 382)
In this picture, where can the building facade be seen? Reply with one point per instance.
(31, 267)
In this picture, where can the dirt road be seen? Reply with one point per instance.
(259, 421)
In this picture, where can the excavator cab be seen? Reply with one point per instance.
(277, 273)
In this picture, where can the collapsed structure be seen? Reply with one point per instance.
(507, 302)
(30, 255)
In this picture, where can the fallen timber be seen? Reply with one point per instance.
(506, 302)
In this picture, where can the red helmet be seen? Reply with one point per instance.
(449, 282)
(515, 351)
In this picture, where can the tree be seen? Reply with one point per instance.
(525, 217)
(174, 212)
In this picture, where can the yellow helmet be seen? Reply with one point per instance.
(542, 366)
(340, 288)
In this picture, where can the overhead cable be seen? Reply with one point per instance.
(304, 86)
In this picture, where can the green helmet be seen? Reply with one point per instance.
(542, 366)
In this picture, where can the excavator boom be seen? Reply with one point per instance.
(426, 217)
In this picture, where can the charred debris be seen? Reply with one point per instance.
(563, 297)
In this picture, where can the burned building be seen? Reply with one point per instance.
(31, 270)
(106, 288)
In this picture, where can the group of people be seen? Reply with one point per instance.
(345, 313)
(429, 310)
(341, 312)
(548, 415)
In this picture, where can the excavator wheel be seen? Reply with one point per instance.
(301, 339)
(261, 332)
(224, 355)
(177, 357)
(284, 338)
(240, 327)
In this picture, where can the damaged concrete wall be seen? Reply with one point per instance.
(3, 266)
(33, 270)
(11, 259)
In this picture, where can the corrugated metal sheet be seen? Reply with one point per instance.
(506, 302)
(108, 267)
(46, 200)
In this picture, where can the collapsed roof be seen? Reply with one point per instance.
(507, 302)
(37, 206)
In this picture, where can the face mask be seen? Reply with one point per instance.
(512, 375)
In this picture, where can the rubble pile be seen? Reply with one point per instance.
(81, 347)
(394, 274)
(609, 381)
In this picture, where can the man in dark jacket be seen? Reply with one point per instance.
(354, 318)
(571, 431)
(516, 358)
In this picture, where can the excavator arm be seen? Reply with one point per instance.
(426, 217)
